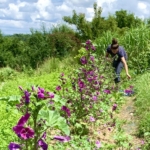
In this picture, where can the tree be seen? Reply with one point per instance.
(86, 29)
(125, 19)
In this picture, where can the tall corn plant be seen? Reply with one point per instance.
(103, 41)
(136, 42)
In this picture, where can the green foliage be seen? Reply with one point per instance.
(86, 29)
(54, 120)
(125, 19)
(62, 44)
(7, 73)
(143, 107)
(54, 64)
(98, 25)
(136, 43)
(9, 117)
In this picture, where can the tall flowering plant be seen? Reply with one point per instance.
(88, 88)
(38, 117)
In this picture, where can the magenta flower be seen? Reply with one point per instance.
(128, 91)
(93, 48)
(14, 146)
(87, 47)
(107, 91)
(67, 110)
(90, 79)
(51, 95)
(41, 90)
(92, 119)
(83, 60)
(131, 87)
(27, 97)
(98, 144)
(42, 144)
(44, 135)
(88, 42)
(23, 119)
(62, 138)
(62, 74)
(102, 77)
(40, 95)
(142, 142)
(21, 131)
(114, 107)
(58, 88)
(24, 132)
(81, 84)
(94, 98)
(33, 89)
(92, 58)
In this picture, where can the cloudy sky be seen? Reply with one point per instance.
(19, 16)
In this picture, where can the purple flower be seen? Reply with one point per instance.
(92, 58)
(98, 144)
(83, 60)
(131, 87)
(81, 84)
(33, 89)
(88, 42)
(23, 119)
(51, 95)
(128, 91)
(42, 144)
(44, 135)
(97, 93)
(94, 98)
(93, 48)
(67, 110)
(142, 142)
(62, 138)
(91, 73)
(62, 74)
(41, 90)
(90, 79)
(114, 107)
(27, 97)
(58, 88)
(21, 131)
(92, 119)
(87, 47)
(102, 77)
(40, 95)
(107, 91)
(14, 146)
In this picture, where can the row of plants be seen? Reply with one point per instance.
(69, 113)
(142, 104)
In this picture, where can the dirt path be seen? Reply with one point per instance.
(127, 113)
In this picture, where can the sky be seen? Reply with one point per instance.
(20, 16)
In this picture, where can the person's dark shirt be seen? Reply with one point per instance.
(121, 53)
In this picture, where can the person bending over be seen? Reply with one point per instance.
(119, 61)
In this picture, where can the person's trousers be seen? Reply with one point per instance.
(118, 65)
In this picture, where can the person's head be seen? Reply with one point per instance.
(114, 46)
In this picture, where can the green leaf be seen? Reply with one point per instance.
(54, 120)
(58, 99)
(12, 100)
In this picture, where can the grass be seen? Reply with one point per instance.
(143, 107)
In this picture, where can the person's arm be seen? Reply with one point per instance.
(125, 66)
